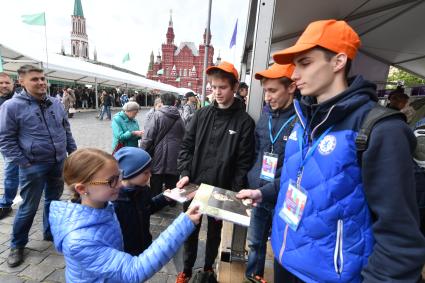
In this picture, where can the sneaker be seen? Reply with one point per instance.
(5, 211)
(182, 278)
(16, 257)
(255, 279)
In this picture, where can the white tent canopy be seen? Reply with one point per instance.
(391, 32)
(69, 69)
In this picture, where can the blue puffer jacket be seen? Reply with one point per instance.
(360, 223)
(31, 132)
(91, 242)
(334, 237)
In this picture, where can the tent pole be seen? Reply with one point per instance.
(95, 93)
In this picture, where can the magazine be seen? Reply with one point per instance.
(223, 204)
(182, 195)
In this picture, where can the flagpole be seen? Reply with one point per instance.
(207, 43)
(47, 53)
(45, 37)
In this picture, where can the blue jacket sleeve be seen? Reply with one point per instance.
(158, 202)
(9, 136)
(110, 263)
(388, 177)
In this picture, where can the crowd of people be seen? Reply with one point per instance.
(338, 206)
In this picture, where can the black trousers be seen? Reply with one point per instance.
(190, 250)
(281, 275)
(160, 181)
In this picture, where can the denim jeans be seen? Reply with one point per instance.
(34, 180)
(106, 109)
(11, 183)
(258, 233)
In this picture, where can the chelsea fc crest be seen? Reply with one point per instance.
(327, 145)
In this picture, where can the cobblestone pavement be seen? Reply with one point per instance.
(42, 262)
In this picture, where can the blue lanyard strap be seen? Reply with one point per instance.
(273, 140)
(311, 149)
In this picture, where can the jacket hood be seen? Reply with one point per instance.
(25, 96)
(66, 217)
(170, 111)
(358, 93)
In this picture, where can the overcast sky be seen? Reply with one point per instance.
(117, 27)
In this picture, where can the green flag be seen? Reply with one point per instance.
(126, 58)
(35, 19)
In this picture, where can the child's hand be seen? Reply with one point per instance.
(194, 214)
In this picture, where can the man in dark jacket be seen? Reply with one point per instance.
(106, 105)
(11, 170)
(271, 133)
(162, 139)
(217, 149)
(34, 134)
(338, 217)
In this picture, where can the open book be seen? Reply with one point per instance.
(182, 195)
(223, 204)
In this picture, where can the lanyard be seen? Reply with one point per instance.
(273, 140)
(311, 149)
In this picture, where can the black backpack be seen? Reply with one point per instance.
(375, 115)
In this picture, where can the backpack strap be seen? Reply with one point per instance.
(375, 115)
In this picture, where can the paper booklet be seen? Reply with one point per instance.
(223, 204)
(182, 195)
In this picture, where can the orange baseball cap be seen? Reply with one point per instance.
(226, 67)
(276, 71)
(336, 36)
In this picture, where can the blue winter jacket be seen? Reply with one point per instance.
(31, 132)
(92, 244)
(360, 221)
(263, 144)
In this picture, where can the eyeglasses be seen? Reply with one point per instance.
(111, 181)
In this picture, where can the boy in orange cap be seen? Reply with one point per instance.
(342, 216)
(217, 149)
(271, 133)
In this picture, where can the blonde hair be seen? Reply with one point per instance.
(82, 165)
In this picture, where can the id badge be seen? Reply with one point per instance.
(269, 166)
(293, 206)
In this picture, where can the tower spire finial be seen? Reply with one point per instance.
(170, 23)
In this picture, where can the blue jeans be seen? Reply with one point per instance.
(34, 180)
(258, 233)
(11, 183)
(106, 109)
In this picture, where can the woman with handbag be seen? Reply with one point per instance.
(125, 128)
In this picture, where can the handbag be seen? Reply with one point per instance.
(151, 150)
(72, 110)
(117, 147)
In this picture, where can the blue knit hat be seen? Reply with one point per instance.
(132, 161)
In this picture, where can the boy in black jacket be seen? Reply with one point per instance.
(135, 204)
(217, 149)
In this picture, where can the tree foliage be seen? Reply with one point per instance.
(397, 76)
